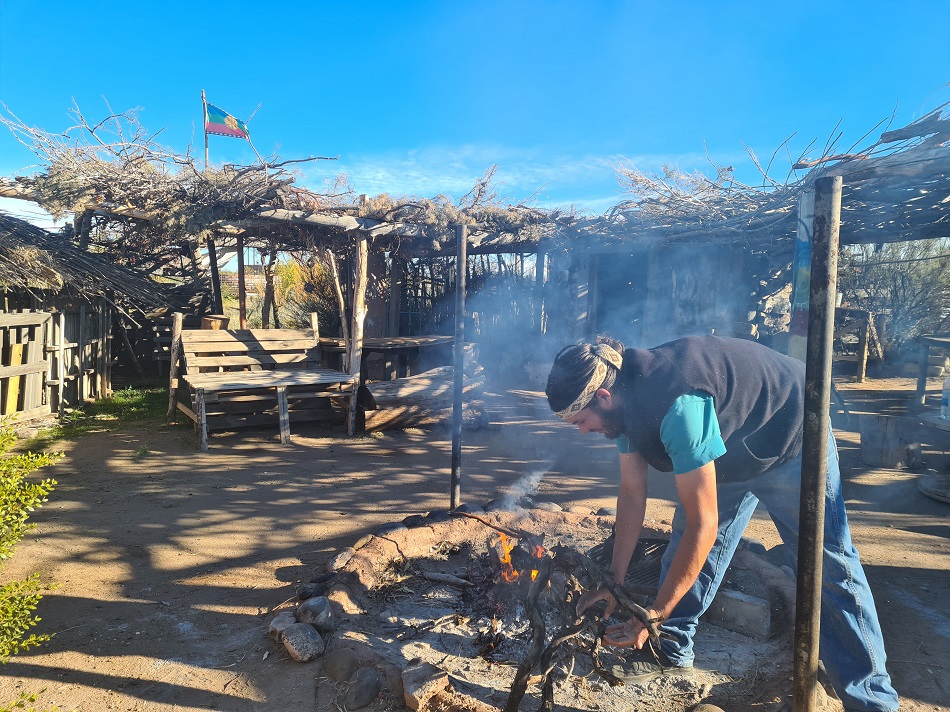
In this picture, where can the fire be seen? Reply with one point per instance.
(508, 572)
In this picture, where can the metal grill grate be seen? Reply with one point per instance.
(643, 574)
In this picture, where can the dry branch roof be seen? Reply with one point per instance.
(34, 259)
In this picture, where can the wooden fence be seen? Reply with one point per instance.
(54, 360)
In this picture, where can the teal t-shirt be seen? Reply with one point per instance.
(689, 432)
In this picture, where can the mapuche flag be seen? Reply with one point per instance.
(223, 124)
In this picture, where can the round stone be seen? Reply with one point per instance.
(363, 541)
(468, 509)
(706, 707)
(303, 642)
(607, 512)
(414, 520)
(548, 506)
(390, 528)
(280, 623)
(317, 612)
(363, 688)
(341, 559)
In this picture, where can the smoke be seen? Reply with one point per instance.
(524, 487)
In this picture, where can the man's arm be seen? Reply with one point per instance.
(697, 492)
(631, 507)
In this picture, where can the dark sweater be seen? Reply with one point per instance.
(758, 393)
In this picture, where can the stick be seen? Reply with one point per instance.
(446, 578)
(520, 685)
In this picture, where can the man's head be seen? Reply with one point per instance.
(580, 388)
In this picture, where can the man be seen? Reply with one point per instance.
(724, 416)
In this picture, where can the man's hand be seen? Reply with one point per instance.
(633, 632)
(590, 598)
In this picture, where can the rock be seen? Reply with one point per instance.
(496, 505)
(363, 688)
(317, 612)
(607, 512)
(414, 520)
(706, 707)
(548, 506)
(280, 623)
(341, 559)
(740, 613)
(363, 541)
(303, 642)
(389, 528)
(421, 681)
(309, 590)
(578, 509)
(469, 509)
(753, 545)
(436, 517)
(388, 616)
(341, 664)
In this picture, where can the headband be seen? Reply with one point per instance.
(606, 356)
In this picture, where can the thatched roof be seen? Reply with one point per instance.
(33, 259)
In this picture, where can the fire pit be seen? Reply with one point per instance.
(476, 612)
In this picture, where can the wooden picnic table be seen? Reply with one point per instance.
(923, 362)
(395, 349)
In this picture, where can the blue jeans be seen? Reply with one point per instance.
(850, 644)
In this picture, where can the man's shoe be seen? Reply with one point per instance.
(638, 666)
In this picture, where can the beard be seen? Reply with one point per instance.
(612, 421)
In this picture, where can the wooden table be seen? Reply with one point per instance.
(395, 349)
(923, 362)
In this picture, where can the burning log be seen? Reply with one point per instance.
(520, 685)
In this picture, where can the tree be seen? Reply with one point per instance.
(907, 282)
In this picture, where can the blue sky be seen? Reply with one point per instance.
(421, 97)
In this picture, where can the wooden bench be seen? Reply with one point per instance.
(237, 377)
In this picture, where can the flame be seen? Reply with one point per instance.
(508, 572)
(537, 551)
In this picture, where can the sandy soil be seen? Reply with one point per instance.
(168, 561)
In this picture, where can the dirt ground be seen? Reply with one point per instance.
(168, 561)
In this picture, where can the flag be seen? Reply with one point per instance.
(223, 124)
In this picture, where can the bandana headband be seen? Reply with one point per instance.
(606, 356)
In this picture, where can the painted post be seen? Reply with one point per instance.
(461, 233)
(821, 313)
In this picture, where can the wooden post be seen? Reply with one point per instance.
(821, 324)
(175, 355)
(85, 229)
(61, 369)
(33, 393)
(315, 327)
(397, 282)
(283, 415)
(923, 365)
(217, 302)
(863, 349)
(201, 415)
(355, 347)
(13, 383)
(539, 291)
(242, 290)
(108, 356)
(81, 346)
(458, 363)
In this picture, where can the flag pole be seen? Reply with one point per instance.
(204, 124)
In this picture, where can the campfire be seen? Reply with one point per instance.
(489, 600)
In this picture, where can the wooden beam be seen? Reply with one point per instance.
(358, 318)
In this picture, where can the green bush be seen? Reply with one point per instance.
(18, 499)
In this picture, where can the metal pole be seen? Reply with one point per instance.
(821, 311)
(204, 124)
(461, 233)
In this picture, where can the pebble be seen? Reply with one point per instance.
(390, 528)
(388, 616)
(341, 559)
(341, 665)
(363, 689)
(303, 642)
(317, 612)
(280, 623)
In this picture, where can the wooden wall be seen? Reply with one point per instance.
(55, 353)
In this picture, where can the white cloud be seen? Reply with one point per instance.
(546, 178)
